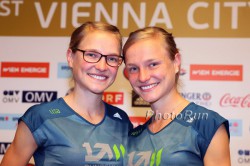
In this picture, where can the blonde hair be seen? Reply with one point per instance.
(80, 32)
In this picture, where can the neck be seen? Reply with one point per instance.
(168, 104)
(87, 104)
(162, 117)
(166, 109)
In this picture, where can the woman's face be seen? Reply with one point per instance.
(94, 77)
(150, 70)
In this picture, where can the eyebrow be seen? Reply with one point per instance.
(147, 61)
(131, 64)
(96, 51)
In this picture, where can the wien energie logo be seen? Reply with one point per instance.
(103, 150)
(146, 157)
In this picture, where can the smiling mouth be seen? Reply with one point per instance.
(148, 87)
(98, 77)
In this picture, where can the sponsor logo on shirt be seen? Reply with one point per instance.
(25, 69)
(54, 111)
(190, 120)
(216, 72)
(117, 115)
(145, 158)
(102, 150)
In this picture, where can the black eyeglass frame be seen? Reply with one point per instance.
(105, 56)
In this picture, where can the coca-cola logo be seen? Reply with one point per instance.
(235, 101)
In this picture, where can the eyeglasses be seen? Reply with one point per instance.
(94, 57)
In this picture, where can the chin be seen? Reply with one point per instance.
(100, 87)
(149, 99)
(98, 90)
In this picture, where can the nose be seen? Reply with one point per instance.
(144, 75)
(102, 65)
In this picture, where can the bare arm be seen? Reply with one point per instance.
(21, 149)
(218, 152)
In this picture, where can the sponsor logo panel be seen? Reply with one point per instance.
(137, 101)
(136, 120)
(17, 96)
(244, 156)
(183, 72)
(113, 97)
(216, 72)
(63, 70)
(25, 69)
(229, 100)
(9, 121)
(38, 96)
(3, 147)
(11, 96)
(235, 127)
(200, 98)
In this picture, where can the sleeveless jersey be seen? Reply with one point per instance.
(65, 138)
(182, 142)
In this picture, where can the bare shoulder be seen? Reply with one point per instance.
(218, 152)
(22, 147)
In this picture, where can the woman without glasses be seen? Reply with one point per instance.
(153, 65)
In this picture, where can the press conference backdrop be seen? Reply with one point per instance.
(213, 38)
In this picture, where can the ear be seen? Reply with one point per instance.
(70, 57)
(177, 62)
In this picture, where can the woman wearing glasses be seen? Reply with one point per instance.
(78, 129)
(179, 132)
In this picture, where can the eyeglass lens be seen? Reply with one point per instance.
(94, 57)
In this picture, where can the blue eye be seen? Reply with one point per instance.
(132, 69)
(112, 58)
(153, 64)
(91, 54)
